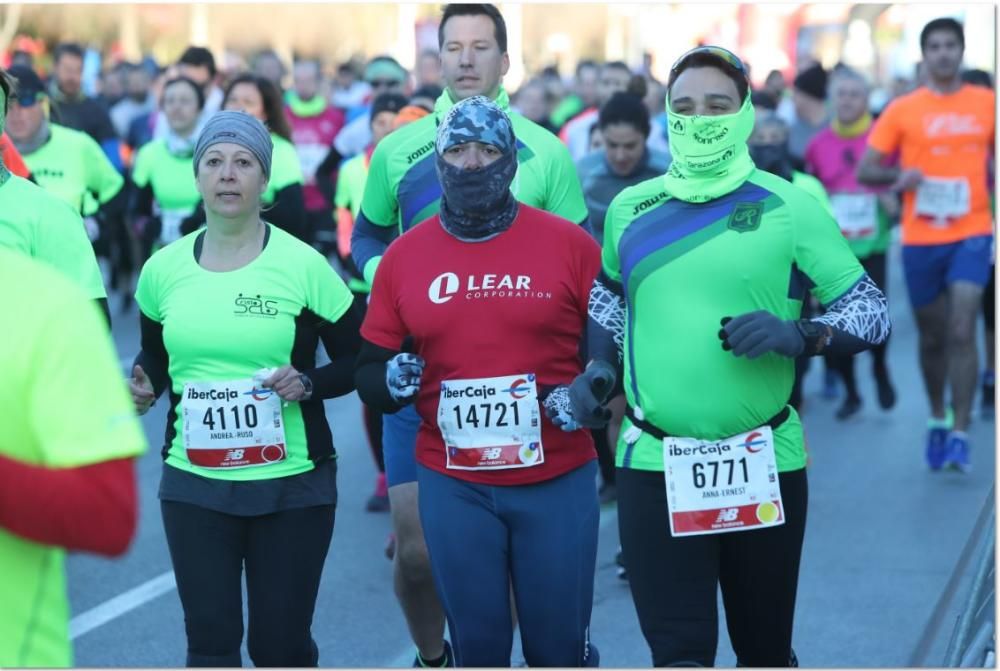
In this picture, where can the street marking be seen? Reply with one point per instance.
(405, 659)
(121, 604)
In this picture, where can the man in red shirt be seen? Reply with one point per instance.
(494, 295)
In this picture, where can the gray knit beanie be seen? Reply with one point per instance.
(238, 128)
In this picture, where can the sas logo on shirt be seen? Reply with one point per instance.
(255, 306)
(446, 286)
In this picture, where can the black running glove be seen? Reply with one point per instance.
(756, 333)
(588, 393)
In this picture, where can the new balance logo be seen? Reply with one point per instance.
(728, 515)
(234, 455)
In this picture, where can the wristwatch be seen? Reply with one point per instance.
(307, 384)
(817, 336)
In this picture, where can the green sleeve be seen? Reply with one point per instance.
(379, 204)
(94, 420)
(614, 225)
(814, 188)
(565, 195)
(821, 252)
(64, 245)
(341, 197)
(140, 167)
(102, 179)
(146, 291)
(326, 293)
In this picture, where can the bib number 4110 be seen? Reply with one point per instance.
(249, 416)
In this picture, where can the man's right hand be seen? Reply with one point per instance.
(402, 376)
(143, 395)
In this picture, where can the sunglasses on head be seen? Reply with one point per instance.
(720, 53)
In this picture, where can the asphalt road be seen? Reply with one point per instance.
(883, 538)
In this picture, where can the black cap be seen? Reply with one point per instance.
(388, 102)
(28, 85)
(812, 81)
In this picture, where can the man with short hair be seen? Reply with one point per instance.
(138, 100)
(71, 108)
(809, 98)
(614, 77)
(198, 65)
(403, 190)
(944, 134)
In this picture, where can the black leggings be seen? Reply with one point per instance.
(674, 581)
(875, 266)
(283, 553)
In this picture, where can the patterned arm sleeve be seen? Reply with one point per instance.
(606, 321)
(858, 320)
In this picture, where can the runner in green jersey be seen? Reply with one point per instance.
(38, 224)
(231, 318)
(65, 162)
(66, 461)
(164, 193)
(403, 190)
(716, 250)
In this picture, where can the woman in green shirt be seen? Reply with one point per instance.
(163, 189)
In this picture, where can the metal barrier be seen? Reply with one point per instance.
(973, 642)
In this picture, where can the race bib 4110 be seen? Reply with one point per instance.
(232, 424)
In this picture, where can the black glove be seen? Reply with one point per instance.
(760, 332)
(589, 391)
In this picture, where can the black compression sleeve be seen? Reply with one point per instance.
(369, 376)
(605, 321)
(153, 356)
(140, 203)
(102, 304)
(289, 210)
(195, 220)
(324, 174)
(341, 340)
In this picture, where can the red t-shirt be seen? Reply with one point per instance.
(513, 305)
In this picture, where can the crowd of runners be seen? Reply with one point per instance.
(546, 300)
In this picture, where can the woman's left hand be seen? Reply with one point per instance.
(286, 383)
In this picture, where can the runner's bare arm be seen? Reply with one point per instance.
(872, 172)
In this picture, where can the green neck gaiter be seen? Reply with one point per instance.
(305, 108)
(4, 172)
(709, 154)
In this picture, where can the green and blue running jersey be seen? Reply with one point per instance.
(403, 189)
(683, 267)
